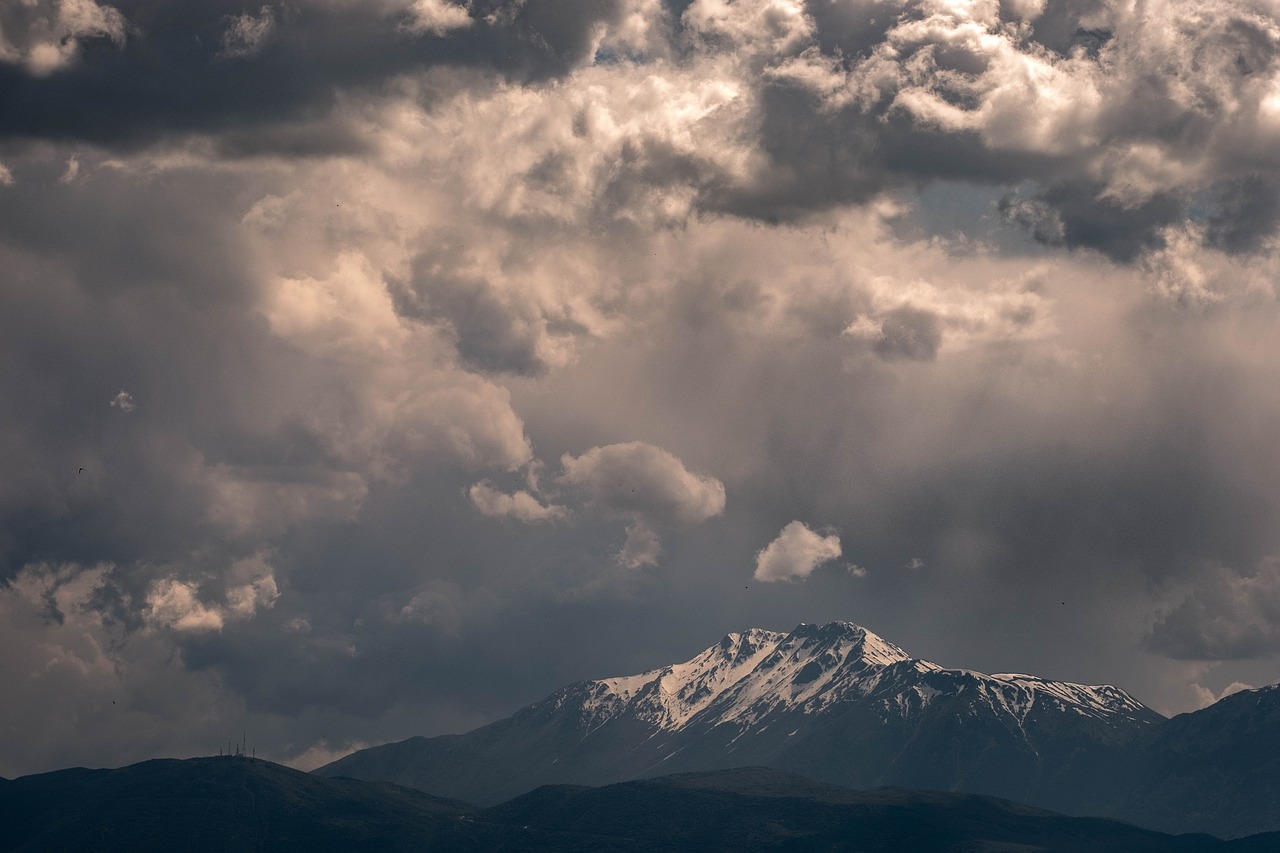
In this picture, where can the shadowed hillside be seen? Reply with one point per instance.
(236, 804)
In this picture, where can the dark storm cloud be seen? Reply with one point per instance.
(905, 96)
(1246, 214)
(178, 72)
(1227, 615)
(1079, 215)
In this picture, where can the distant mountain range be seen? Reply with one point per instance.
(234, 804)
(839, 704)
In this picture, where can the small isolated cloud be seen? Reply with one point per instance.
(520, 505)
(6, 176)
(856, 571)
(639, 478)
(795, 553)
(124, 402)
(915, 564)
(647, 483)
(72, 170)
(245, 34)
(1226, 615)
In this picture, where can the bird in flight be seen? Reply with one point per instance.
(81, 471)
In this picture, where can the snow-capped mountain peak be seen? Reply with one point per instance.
(835, 701)
(750, 675)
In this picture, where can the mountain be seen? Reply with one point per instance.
(219, 804)
(835, 702)
(752, 809)
(237, 804)
(1214, 770)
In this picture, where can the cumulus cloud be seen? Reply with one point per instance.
(124, 401)
(1207, 697)
(795, 553)
(246, 33)
(520, 505)
(176, 604)
(438, 16)
(95, 691)
(1226, 615)
(407, 407)
(636, 477)
(401, 244)
(642, 546)
(340, 46)
(46, 35)
(492, 330)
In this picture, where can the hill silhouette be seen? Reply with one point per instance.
(238, 804)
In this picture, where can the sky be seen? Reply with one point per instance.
(372, 368)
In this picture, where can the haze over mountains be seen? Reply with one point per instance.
(840, 704)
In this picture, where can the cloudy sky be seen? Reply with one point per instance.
(371, 368)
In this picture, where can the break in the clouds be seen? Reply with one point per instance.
(795, 553)
(443, 323)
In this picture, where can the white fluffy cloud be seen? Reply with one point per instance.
(176, 604)
(636, 477)
(520, 505)
(795, 553)
(438, 16)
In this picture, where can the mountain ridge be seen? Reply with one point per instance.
(842, 705)
(233, 803)
(792, 700)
